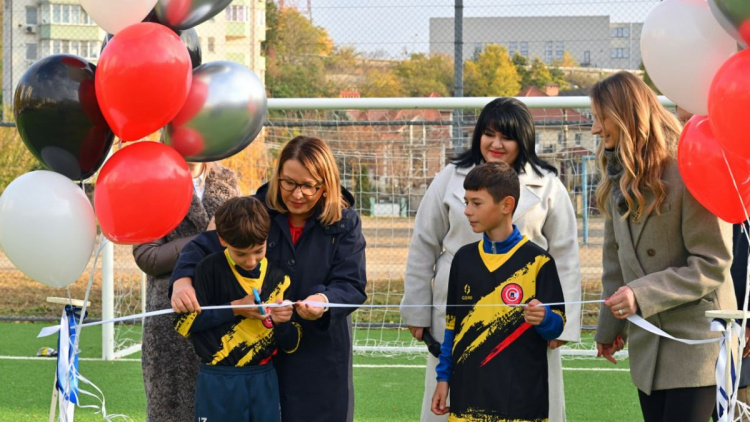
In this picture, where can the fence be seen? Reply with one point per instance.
(388, 150)
(329, 48)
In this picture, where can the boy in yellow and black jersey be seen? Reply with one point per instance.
(237, 380)
(491, 361)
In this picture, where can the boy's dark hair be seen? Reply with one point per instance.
(243, 222)
(498, 178)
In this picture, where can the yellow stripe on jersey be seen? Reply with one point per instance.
(184, 322)
(488, 319)
(249, 333)
(493, 261)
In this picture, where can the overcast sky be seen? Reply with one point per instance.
(395, 26)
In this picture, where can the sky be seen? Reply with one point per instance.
(395, 27)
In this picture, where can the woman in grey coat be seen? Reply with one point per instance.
(169, 362)
(665, 256)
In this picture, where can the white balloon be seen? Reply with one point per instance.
(47, 227)
(683, 46)
(114, 15)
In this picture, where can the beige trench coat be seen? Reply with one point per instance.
(677, 263)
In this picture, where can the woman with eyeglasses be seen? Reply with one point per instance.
(316, 236)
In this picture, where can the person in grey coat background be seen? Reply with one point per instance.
(665, 257)
(169, 364)
(504, 132)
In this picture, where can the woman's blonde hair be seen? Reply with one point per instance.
(648, 140)
(317, 158)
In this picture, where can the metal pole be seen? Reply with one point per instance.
(458, 70)
(108, 301)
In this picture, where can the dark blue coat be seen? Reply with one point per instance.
(314, 380)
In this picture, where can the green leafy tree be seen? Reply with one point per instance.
(15, 158)
(491, 74)
(296, 53)
(421, 75)
(539, 74)
(381, 82)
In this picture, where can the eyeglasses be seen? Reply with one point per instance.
(306, 189)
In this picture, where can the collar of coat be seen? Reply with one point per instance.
(530, 188)
(527, 177)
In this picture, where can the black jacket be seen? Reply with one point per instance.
(326, 259)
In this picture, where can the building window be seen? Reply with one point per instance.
(261, 20)
(621, 32)
(559, 50)
(619, 53)
(31, 15)
(31, 51)
(211, 44)
(579, 138)
(560, 138)
(524, 49)
(72, 14)
(512, 48)
(237, 14)
(586, 57)
(548, 51)
(477, 50)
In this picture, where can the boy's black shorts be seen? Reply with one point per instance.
(228, 393)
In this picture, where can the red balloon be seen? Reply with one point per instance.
(142, 79)
(705, 173)
(143, 192)
(187, 141)
(729, 104)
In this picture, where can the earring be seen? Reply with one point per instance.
(324, 194)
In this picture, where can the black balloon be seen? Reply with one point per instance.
(59, 118)
(189, 38)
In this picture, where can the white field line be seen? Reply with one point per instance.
(362, 365)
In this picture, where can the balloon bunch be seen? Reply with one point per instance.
(68, 111)
(690, 50)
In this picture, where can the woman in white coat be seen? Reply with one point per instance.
(504, 132)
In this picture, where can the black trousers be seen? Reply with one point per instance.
(247, 394)
(678, 404)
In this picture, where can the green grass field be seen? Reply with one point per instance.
(387, 388)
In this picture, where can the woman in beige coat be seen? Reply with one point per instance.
(665, 258)
(504, 132)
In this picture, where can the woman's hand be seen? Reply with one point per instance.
(311, 312)
(622, 303)
(416, 332)
(608, 350)
(183, 296)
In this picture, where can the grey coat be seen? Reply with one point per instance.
(169, 363)
(677, 263)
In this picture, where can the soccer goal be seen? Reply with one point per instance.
(388, 150)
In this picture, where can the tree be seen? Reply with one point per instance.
(421, 75)
(567, 61)
(381, 82)
(295, 55)
(491, 74)
(15, 158)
